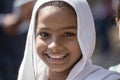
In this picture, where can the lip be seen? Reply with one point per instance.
(53, 58)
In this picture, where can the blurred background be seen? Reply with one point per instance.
(14, 23)
(107, 51)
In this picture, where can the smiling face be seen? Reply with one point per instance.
(56, 38)
(118, 24)
(118, 18)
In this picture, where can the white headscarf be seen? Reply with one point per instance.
(33, 68)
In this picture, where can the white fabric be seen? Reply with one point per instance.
(115, 68)
(32, 68)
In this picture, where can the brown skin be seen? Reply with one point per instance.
(56, 40)
(118, 24)
(117, 19)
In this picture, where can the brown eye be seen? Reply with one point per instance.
(69, 34)
(44, 34)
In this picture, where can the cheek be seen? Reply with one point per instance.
(118, 24)
(40, 46)
(75, 53)
(74, 48)
(119, 31)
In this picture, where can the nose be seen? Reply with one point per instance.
(55, 45)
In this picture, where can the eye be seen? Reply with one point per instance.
(69, 34)
(44, 35)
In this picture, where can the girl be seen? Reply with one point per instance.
(117, 67)
(60, 43)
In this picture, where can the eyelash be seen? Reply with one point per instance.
(69, 34)
(46, 35)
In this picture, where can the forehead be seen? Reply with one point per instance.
(54, 10)
(58, 14)
(52, 15)
(56, 19)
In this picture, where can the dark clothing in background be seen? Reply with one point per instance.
(11, 53)
(6, 6)
(11, 47)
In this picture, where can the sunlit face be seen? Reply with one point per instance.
(56, 38)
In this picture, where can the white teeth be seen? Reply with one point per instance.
(57, 56)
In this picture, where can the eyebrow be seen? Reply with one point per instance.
(65, 28)
(69, 27)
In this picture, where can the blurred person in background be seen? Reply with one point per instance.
(103, 23)
(116, 6)
(104, 16)
(14, 22)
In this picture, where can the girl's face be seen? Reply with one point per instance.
(119, 28)
(56, 38)
(118, 24)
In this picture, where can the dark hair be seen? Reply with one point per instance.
(60, 4)
(118, 11)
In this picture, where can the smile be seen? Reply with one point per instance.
(56, 56)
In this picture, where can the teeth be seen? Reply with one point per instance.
(57, 56)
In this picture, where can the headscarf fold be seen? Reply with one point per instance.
(33, 68)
